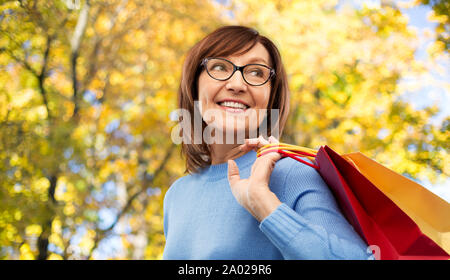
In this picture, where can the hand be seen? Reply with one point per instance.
(254, 193)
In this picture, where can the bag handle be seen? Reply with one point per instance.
(292, 151)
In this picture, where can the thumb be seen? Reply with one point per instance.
(233, 172)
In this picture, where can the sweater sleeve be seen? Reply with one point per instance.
(167, 201)
(312, 227)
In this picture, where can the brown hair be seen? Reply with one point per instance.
(225, 41)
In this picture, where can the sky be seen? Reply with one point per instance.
(429, 95)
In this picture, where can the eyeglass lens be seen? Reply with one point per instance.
(222, 70)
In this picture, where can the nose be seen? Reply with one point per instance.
(236, 82)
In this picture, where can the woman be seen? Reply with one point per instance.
(233, 205)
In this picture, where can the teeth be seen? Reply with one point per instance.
(233, 105)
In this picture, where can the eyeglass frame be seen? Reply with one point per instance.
(237, 68)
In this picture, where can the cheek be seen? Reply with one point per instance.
(262, 103)
(263, 99)
(201, 88)
(206, 90)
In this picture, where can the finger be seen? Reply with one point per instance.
(255, 143)
(250, 144)
(264, 166)
(246, 146)
(262, 141)
(233, 172)
(252, 141)
(272, 156)
(273, 139)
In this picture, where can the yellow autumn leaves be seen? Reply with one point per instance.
(97, 178)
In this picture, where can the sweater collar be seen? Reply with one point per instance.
(220, 171)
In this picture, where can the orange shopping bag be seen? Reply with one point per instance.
(430, 212)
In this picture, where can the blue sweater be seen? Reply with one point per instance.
(203, 220)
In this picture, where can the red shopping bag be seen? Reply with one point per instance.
(381, 221)
(377, 219)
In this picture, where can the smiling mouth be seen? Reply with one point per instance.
(233, 107)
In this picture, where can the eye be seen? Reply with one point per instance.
(256, 72)
(219, 67)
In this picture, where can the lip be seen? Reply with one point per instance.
(232, 110)
(234, 100)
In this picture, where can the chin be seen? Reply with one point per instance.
(228, 135)
(238, 135)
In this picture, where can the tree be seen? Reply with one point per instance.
(86, 92)
(441, 10)
(344, 66)
(85, 101)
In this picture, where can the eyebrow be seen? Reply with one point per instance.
(254, 59)
(258, 59)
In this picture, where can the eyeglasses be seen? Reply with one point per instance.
(222, 69)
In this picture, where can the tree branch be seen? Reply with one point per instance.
(43, 73)
(92, 69)
(43, 242)
(23, 62)
(146, 182)
(40, 76)
(75, 44)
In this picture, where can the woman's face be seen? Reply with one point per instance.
(212, 94)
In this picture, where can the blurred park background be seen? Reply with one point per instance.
(87, 89)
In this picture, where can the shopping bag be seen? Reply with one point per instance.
(430, 212)
(403, 233)
(377, 219)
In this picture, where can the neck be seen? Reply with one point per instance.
(221, 153)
